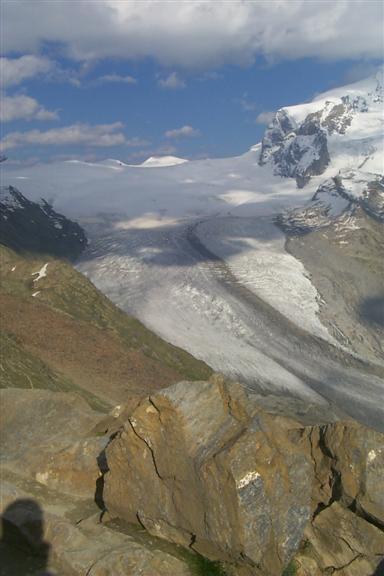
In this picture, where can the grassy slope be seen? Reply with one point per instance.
(70, 336)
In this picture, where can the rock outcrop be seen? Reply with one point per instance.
(339, 541)
(195, 466)
(44, 536)
(33, 227)
(337, 200)
(59, 424)
(202, 465)
(295, 151)
(198, 464)
(50, 495)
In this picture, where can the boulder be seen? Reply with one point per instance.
(36, 536)
(46, 436)
(201, 465)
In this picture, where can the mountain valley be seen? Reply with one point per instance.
(192, 363)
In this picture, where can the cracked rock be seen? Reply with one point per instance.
(200, 465)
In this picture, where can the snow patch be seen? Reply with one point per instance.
(161, 161)
(40, 273)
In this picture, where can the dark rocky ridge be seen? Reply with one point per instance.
(296, 151)
(37, 228)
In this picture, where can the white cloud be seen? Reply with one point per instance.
(265, 117)
(23, 107)
(183, 132)
(197, 33)
(171, 82)
(76, 135)
(117, 78)
(15, 70)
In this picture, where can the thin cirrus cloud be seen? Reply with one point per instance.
(199, 33)
(117, 79)
(16, 70)
(183, 132)
(24, 107)
(171, 82)
(101, 135)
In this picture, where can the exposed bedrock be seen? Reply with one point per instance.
(203, 465)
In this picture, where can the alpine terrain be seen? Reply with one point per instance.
(267, 266)
(192, 366)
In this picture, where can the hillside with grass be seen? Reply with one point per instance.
(59, 332)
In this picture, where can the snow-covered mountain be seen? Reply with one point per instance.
(343, 128)
(337, 135)
(159, 161)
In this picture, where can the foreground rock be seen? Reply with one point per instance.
(202, 465)
(46, 436)
(51, 461)
(37, 534)
(339, 540)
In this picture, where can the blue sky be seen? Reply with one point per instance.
(128, 84)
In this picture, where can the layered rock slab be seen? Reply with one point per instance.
(203, 465)
(46, 538)
(200, 465)
(345, 543)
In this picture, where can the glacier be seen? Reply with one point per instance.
(192, 249)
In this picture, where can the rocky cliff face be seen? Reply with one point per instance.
(296, 151)
(336, 200)
(302, 141)
(34, 227)
(205, 466)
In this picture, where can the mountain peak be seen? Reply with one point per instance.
(160, 161)
(304, 140)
